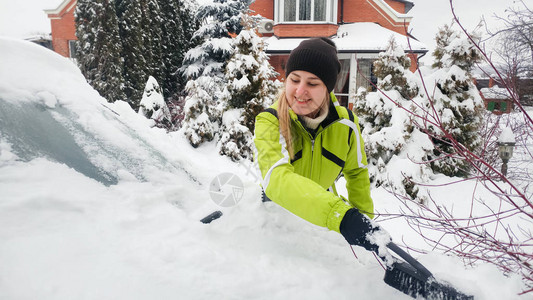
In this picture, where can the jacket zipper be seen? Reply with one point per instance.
(313, 143)
(312, 156)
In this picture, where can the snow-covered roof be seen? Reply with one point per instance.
(59, 7)
(356, 37)
(39, 37)
(495, 92)
(395, 15)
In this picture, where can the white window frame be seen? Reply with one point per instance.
(351, 57)
(352, 84)
(331, 12)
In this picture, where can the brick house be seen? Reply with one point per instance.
(360, 29)
(63, 28)
(496, 99)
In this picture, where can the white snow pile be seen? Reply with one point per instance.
(507, 136)
(152, 103)
(96, 204)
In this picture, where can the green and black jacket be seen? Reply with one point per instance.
(301, 185)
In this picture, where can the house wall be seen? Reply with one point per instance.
(263, 8)
(368, 11)
(279, 62)
(498, 106)
(305, 30)
(63, 29)
(414, 58)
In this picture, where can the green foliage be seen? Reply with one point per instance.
(250, 89)
(457, 102)
(135, 65)
(179, 24)
(453, 49)
(390, 69)
(152, 39)
(204, 68)
(249, 74)
(100, 48)
(396, 150)
(123, 42)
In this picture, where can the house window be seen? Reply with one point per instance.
(342, 86)
(497, 106)
(355, 73)
(305, 10)
(365, 75)
(72, 46)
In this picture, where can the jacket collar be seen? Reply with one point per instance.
(333, 115)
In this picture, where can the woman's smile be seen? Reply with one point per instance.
(305, 92)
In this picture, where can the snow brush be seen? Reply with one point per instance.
(413, 279)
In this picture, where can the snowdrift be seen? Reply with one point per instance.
(95, 204)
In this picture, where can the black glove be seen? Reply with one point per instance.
(355, 227)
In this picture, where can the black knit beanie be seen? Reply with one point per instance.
(317, 56)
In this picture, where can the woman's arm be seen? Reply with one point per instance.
(356, 174)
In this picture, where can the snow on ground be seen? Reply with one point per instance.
(95, 204)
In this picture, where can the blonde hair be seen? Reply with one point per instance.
(284, 117)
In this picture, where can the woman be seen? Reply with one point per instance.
(305, 140)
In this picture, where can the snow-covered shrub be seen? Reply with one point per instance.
(456, 101)
(197, 126)
(152, 105)
(204, 66)
(395, 148)
(236, 140)
(250, 89)
(391, 68)
(250, 77)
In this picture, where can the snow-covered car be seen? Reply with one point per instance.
(97, 204)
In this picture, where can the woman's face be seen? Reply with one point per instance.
(305, 92)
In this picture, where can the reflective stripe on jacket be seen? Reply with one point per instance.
(300, 185)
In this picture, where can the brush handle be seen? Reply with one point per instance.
(411, 260)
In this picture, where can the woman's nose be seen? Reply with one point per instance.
(300, 90)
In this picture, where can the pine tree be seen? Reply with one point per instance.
(250, 89)
(457, 102)
(100, 48)
(177, 23)
(152, 38)
(376, 110)
(389, 133)
(191, 25)
(392, 68)
(203, 68)
(129, 16)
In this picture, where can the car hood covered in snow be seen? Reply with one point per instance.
(52, 112)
